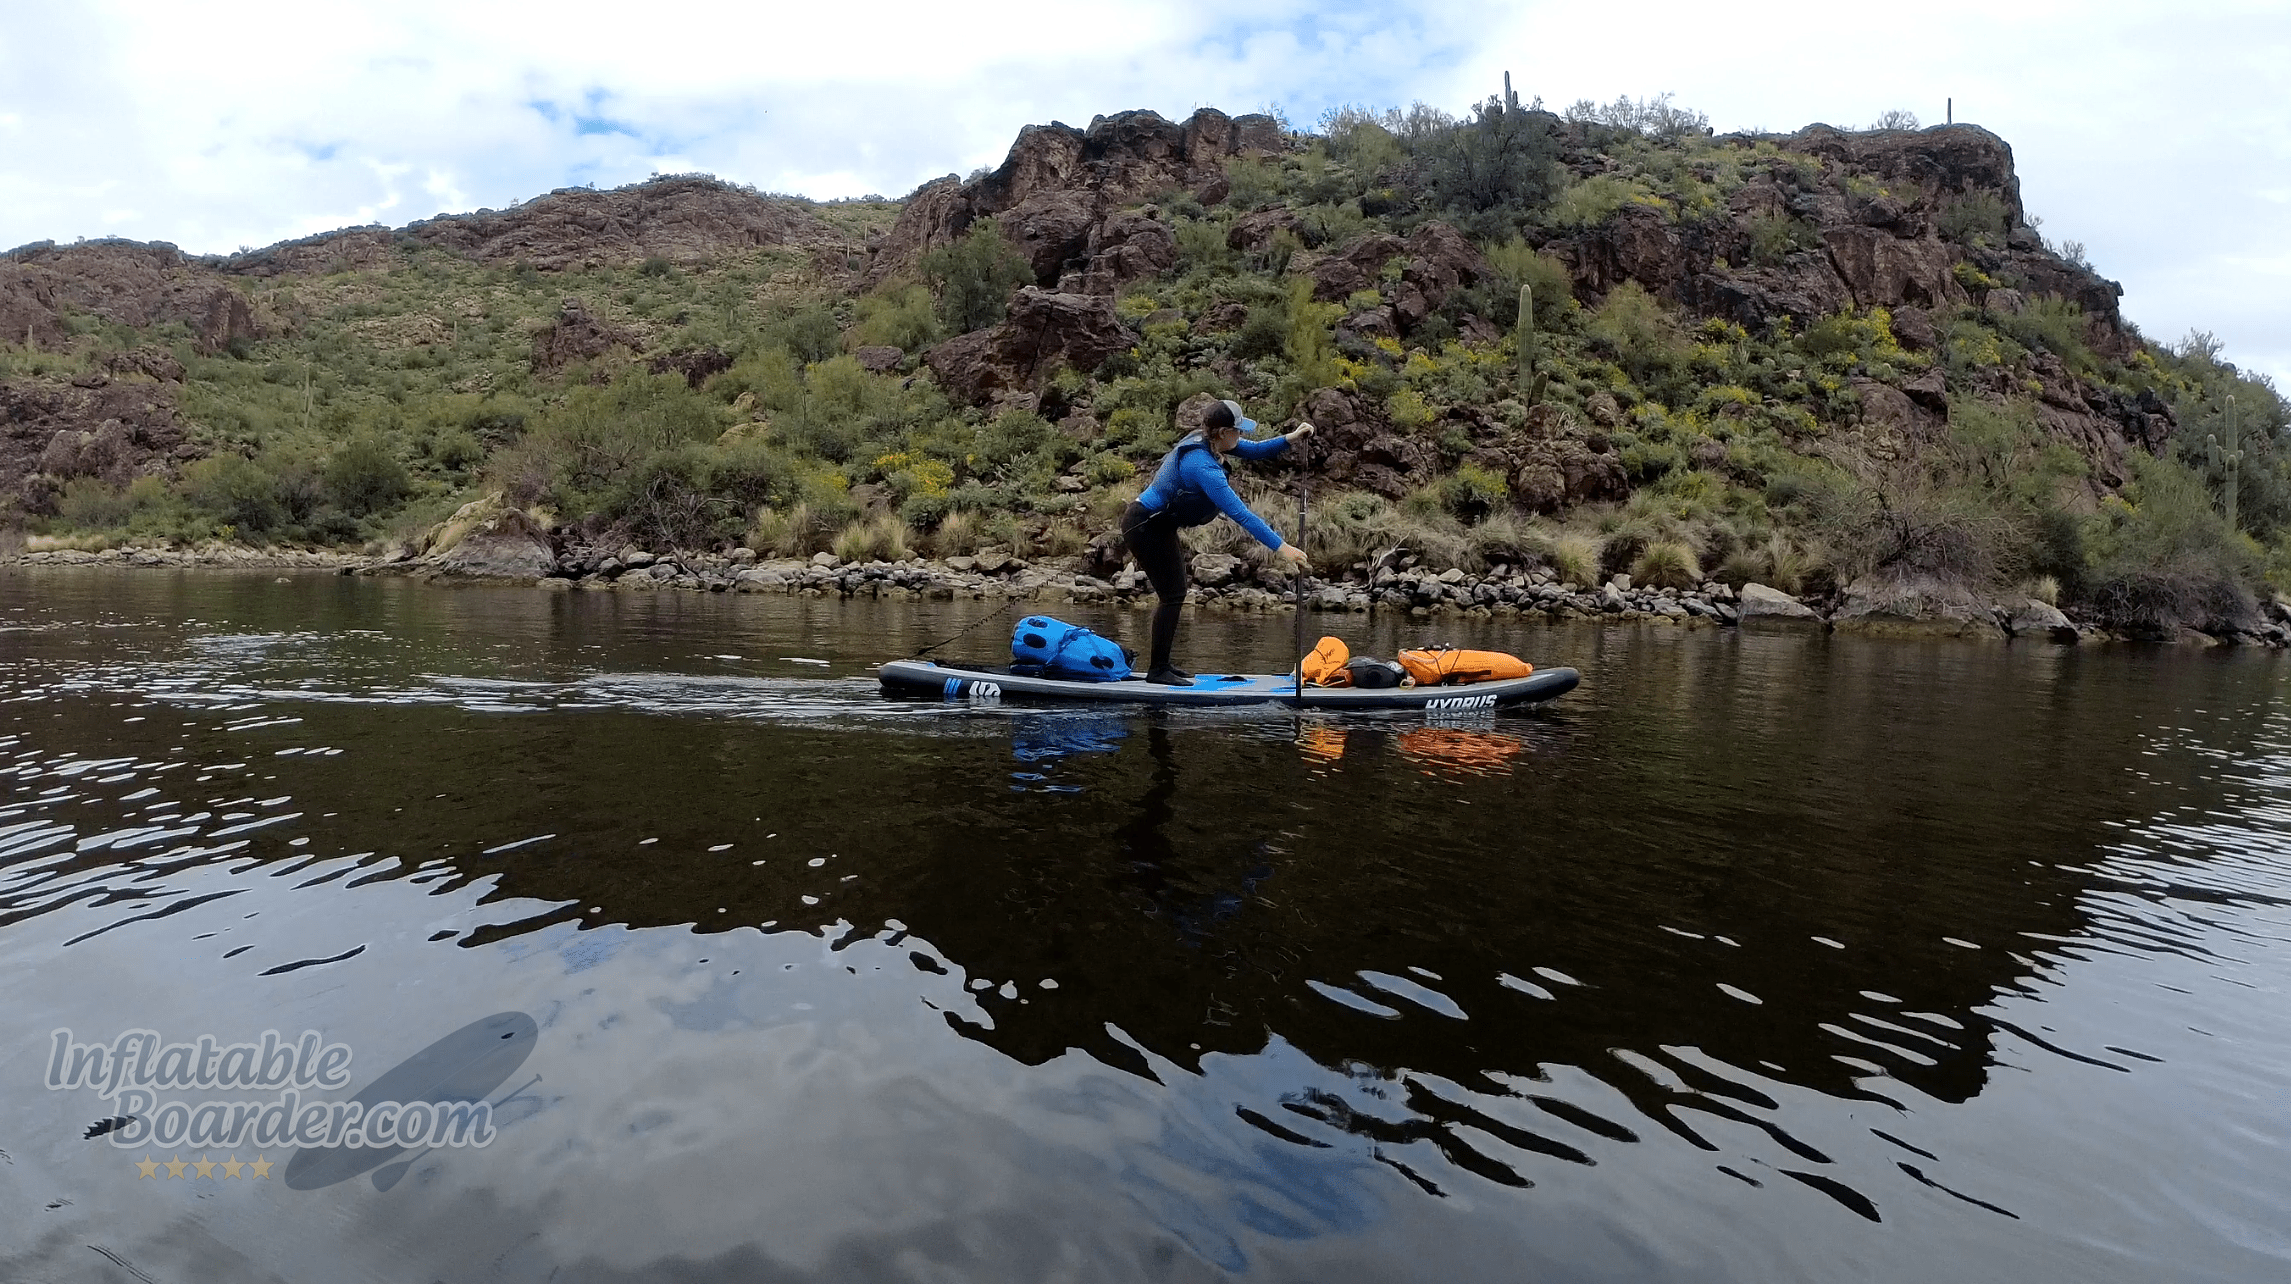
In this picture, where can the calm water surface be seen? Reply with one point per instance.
(1755, 958)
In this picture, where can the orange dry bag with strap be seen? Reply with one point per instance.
(1432, 666)
(1325, 666)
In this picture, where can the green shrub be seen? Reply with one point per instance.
(2054, 325)
(1637, 331)
(364, 477)
(1594, 200)
(974, 276)
(236, 492)
(1774, 237)
(1977, 218)
(810, 334)
(90, 504)
(900, 316)
(1491, 173)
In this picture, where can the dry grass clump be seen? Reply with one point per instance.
(798, 532)
(1667, 563)
(881, 538)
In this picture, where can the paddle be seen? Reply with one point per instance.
(1300, 596)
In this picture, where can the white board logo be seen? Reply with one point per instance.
(985, 691)
(1463, 702)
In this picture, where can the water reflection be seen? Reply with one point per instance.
(1749, 912)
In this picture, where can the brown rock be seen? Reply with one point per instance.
(879, 357)
(1929, 390)
(1050, 227)
(1226, 315)
(1883, 270)
(1254, 231)
(697, 365)
(1338, 274)
(1913, 326)
(576, 336)
(1126, 247)
(150, 361)
(1043, 332)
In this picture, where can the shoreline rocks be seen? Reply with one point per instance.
(489, 545)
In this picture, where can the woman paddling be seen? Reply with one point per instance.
(1191, 490)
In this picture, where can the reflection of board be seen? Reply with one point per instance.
(986, 683)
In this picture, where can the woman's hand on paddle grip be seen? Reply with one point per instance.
(1294, 556)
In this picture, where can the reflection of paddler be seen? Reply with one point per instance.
(1471, 753)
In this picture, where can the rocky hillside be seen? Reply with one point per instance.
(1813, 360)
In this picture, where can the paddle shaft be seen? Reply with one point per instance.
(1300, 596)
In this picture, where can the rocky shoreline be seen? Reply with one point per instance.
(1221, 581)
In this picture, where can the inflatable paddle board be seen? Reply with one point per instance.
(986, 684)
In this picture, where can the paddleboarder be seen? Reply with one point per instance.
(1191, 489)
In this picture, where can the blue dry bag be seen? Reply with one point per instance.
(1056, 649)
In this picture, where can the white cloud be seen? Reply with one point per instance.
(2155, 137)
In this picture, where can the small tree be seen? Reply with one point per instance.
(973, 277)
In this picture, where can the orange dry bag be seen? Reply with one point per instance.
(1432, 666)
(1325, 666)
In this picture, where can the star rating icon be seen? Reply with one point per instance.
(177, 1166)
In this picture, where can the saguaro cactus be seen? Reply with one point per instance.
(1531, 383)
(2230, 459)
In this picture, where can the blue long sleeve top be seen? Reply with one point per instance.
(1192, 487)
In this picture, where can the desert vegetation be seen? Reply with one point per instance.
(2006, 435)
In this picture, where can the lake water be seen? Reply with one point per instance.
(1757, 957)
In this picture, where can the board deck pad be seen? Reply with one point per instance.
(983, 683)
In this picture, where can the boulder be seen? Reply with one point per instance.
(2031, 618)
(492, 543)
(1915, 607)
(879, 357)
(1214, 570)
(1763, 607)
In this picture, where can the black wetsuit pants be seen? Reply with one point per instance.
(1152, 539)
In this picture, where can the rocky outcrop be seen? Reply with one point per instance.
(1128, 246)
(577, 335)
(110, 429)
(1059, 183)
(1044, 332)
(683, 219)
(486, 539)
(1912, 608)
(1438, 259)
(125, 282)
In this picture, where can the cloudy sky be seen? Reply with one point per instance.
(2158, 135)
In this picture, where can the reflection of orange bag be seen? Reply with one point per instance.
(1432, 666)
(1325, 666)
(1469, 753)
(1322, 745)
